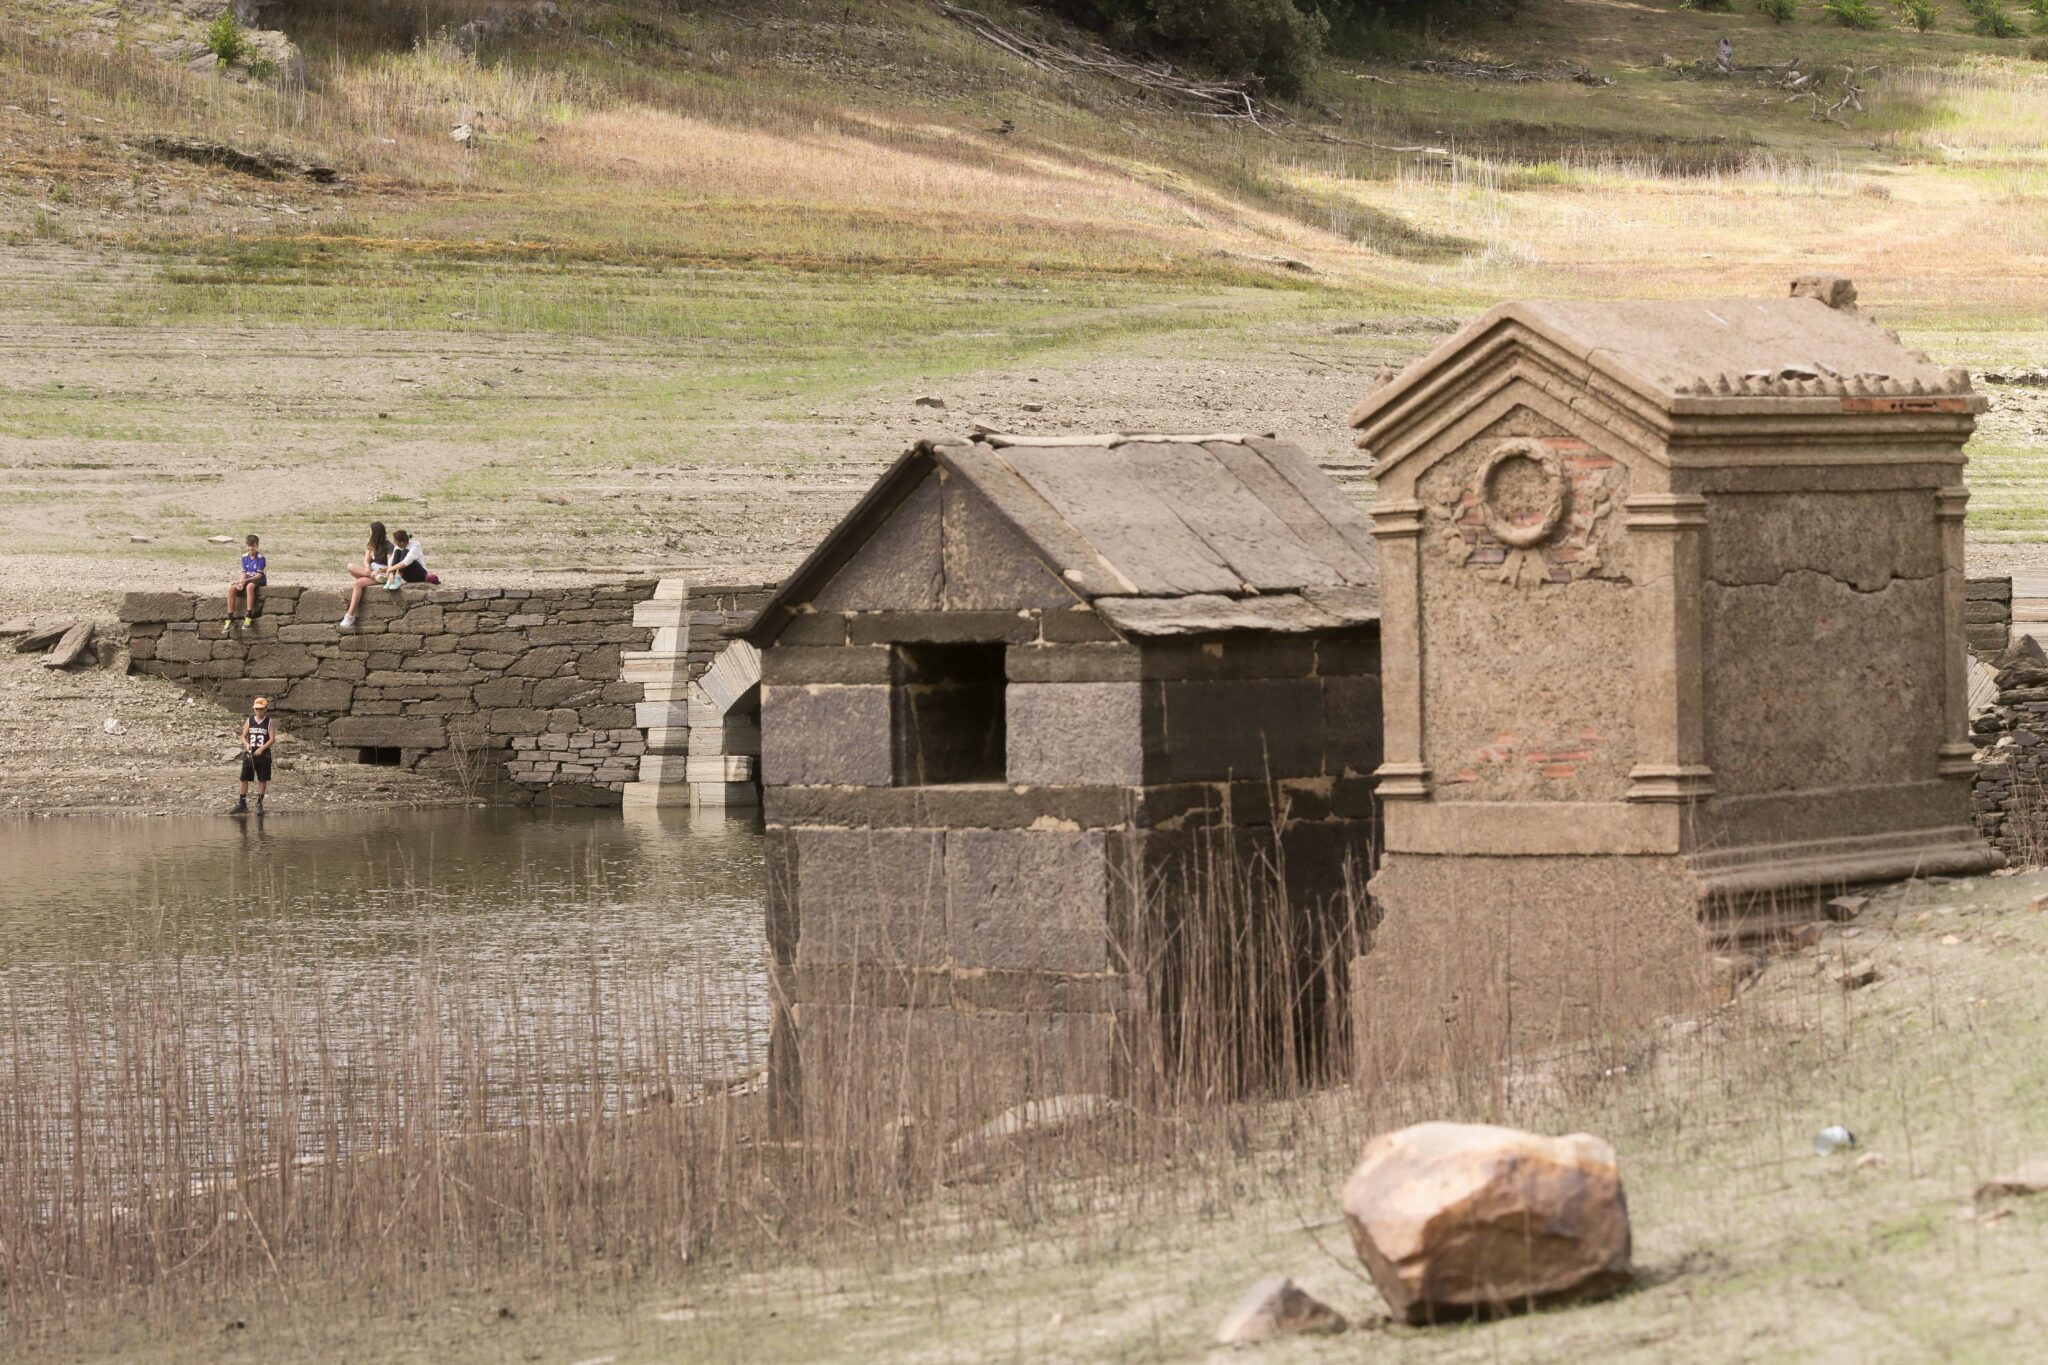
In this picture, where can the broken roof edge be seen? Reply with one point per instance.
(1539, 319)
(1110, 440)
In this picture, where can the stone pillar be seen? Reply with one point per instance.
(1956, 758)
(663, 712)
(1403, 776)
(1664, 541)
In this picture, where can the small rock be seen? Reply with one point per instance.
(1034, 407)
(2029, 1179)
(1277, 1307)
(112, 726)
(1856, 975)
(138, 540)
(1831, 1139)
(220, 540)
(463, 133)
(930, 402)
(1871, 1161)
(1458, 1220)
(1843, 908)
(1803, 936)
(2038, 904)
(1949, 940)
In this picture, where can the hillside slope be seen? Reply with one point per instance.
(665, 301)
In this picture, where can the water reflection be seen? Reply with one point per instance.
(662, 886)
(516, 956)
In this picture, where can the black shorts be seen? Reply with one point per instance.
(256, 767)
(414, 572)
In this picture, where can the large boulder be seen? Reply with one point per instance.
(1459, 1220)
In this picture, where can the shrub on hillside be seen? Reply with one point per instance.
(1707, 6)
(1920, 14)
(1275, 42)
(1777, 11)
(1853, 13)
(225, 39)
(1989, 19)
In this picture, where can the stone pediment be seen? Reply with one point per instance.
(1657, 365)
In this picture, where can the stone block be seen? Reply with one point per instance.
(281, 661)
(160, 606)
(1987, 590)
(814, 628)
(515, 721)
(1247, 728)
(545, 662)
(183, 647)
(1075, 734)
(1352, 734)
(899, 568)
(653, 715)
(605, 717)
(387, 732)
(871, 896)
(600, 664)
(1075, 625)
(503, 692)
(988, 566)
(1042, 663)
(989, 806)
(1245, 656)
(844, 664)
(825, 734)
(570, 691)
(942, 627)
(1027, 899)
(318, 694)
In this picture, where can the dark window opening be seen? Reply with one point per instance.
(378, 756)
(947, 705)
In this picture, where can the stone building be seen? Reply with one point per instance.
(1674, 631)
(1038, 719)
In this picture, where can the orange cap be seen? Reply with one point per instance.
(261, 702)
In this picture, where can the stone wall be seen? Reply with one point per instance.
(1987, 615)
(2009, 726)
(518, 693)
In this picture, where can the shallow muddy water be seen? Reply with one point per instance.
(508, 893)
(502, 960)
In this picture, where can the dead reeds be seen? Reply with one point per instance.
(182, 1130)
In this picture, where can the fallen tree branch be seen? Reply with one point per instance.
(1211, 99)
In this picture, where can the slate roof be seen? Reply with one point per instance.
(1163, 535)
(1685, 355)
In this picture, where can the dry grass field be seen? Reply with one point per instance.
(670, 306)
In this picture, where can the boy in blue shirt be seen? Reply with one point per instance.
(244, 588)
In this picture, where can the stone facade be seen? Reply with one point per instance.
(516, 692)
(1006, 811)
(1674, 617)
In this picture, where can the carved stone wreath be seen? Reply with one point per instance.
(1556, 493)
(1570, 513)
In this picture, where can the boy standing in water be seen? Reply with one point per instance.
(244, 588)
(257, 737)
